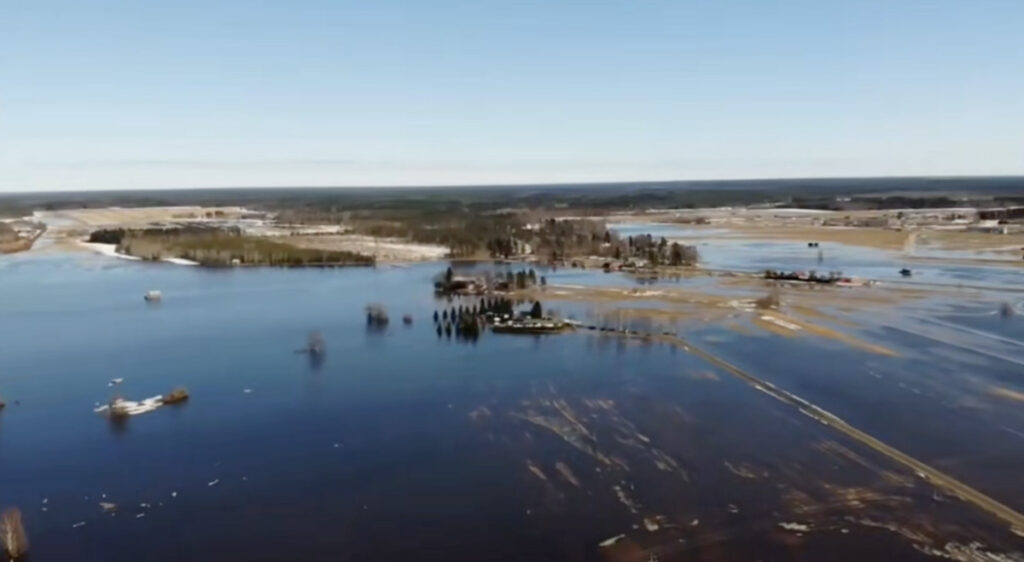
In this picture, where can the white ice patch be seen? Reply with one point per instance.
(108, 250)
(611, 541)
(782, 323)
(795, 527)
(133, 408)
(180, 261)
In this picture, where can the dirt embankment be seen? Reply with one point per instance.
(19, 235)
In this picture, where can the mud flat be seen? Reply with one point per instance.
(800, 316)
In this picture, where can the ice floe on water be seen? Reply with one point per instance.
(124, 407)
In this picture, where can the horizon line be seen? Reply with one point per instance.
(523, 185)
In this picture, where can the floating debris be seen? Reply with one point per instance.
(153, 296)
(611, 541)
(740, 470)
(13, 538)
(174, 494)
(695, 522)
(77, 525)
(732, 508)
(795, 527)
(179, 394)
(247, 391)
(119, 407)
(567, 473)
(651, 524)
(536, 470)
(140, 515)
(115, 382)
(625, 500)
(213, 482)
(108, 506)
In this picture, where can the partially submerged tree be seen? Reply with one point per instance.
(12, 534)
(772, 300)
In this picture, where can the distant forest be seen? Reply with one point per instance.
(839, 194)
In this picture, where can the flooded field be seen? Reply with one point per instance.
(398, 444)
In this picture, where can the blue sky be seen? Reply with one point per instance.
(141, 94)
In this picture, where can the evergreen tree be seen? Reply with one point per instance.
(536, 312)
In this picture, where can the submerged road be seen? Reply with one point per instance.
(934, 476)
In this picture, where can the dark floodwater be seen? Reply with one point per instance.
(400, 445)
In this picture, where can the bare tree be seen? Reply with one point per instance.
(12, 534)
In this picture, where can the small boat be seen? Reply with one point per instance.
(407, 319)
(906, 272)
(153, 296)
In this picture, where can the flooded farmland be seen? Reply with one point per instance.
(400, 444)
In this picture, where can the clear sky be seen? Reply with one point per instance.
(195, 93)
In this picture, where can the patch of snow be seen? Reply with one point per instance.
(109, 250)
(180, 261)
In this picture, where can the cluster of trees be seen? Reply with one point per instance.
(561, 239)
(522, 279)
(217, 247)
(464, 233)
(465, 322)
(507, 246)
(107, 235)
(656, 251)
(468, 321)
